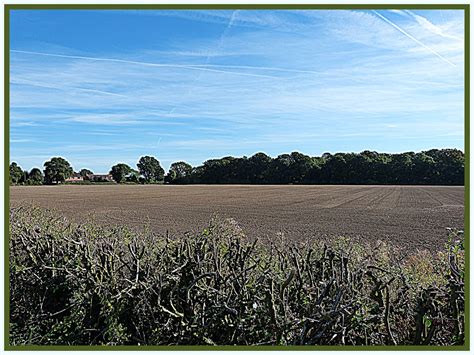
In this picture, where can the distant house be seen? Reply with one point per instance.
(74, 178)
(100, 177)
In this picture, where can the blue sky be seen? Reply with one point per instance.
(102, 87)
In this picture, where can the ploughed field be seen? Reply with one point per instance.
(408, 216)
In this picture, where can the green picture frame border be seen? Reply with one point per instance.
(10, 7)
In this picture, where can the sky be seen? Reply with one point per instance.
(109, 86)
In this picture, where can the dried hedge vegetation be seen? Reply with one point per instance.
(86, 285)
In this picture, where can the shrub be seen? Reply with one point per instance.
(86, 284)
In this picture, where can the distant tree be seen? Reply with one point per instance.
(259, 164)
(280, 169)
(196, 176)
(151, 169)
(313, 175)
(171, 177)
(370, 167)
(24, 177)
(300, 168)
(16, 173)
(35, 177)
(57, 170)
(237, 171)
(435, 166)
(133, 176)
(400, 167)
(334, 171)
(326, 155)
(120, 171)
(178, 172)
(217, 171)
(448, 167)
(85, 173)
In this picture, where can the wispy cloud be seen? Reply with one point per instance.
(62, 87)
(398, 12)
(13, 140)
(115, 119)
(208, 58)
(414, 39)
(25, 124)
(428, 25)
(181, 66)
(279, 21)
(273, 81)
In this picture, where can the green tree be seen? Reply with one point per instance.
(57, 170)
(280, 169)
(300, 168)
(179, 172)
(16, 173)
(120, 171)
(423, 171)
(171, 177)
(448, 167)
(85, 173)
(151, 169)
(400, 167)
(35, 177)
(259, 164)
(313, 175)
(334, 170)
(133, 176)
(24, 177)
(197, 174)
(216, 171)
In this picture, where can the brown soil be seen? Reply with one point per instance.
(410, 216)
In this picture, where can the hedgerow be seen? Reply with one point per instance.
(85, 284)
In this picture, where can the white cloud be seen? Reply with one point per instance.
(358, 73)
(414, 39)
(429, 26)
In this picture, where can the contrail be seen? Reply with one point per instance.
(221, 39)
(49, 86)
(208, 57)
(414, 39)
(186, 66)
(289, 70)
(428, 25)
(183, 66)
(229, 25)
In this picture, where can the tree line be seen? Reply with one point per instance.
(433, 167)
